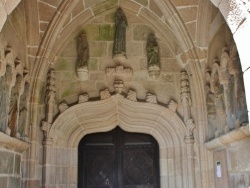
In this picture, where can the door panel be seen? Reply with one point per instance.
(118, 159)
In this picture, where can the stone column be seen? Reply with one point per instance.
(46, 125)
(190, 161)
(189, 138)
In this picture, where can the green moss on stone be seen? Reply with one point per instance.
(68, 92)
(62, 64)
(106, 32)
(98, 32)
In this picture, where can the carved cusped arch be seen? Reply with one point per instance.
(101, 116)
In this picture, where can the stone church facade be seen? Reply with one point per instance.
(176, 70)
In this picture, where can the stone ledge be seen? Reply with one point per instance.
(12, 143)
(228, 138)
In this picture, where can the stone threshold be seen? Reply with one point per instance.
(228, 138)
(12, 143)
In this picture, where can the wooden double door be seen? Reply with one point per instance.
(118, 159)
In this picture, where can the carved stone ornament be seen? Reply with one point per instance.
(118, 85)
(50, 97)
(121, 23)
(82, 57)
(83, 73)
(119, 72)
(63, 106)
(104, 94)
(154, 72)
(172, 105)
(185, 95)
(190, 128)
(45, 128)
(151, 98)
(83, 98)
(132, 95)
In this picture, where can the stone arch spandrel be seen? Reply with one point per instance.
(102, 116)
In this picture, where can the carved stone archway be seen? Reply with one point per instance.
(104, 115)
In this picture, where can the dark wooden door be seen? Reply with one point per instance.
(118, 159)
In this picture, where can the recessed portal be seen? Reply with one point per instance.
(118, 159)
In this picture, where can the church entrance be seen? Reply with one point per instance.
(118, 159)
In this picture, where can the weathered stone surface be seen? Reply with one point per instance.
(78, 9)
(142, 2)
(192, 29)
(98, 49)
(170, 65)
(104, 32)
(4, 181)
(89, 3)
(134, 49)
(188, 14)
(185, 3)
(141, 32)
(17, 164)
(6, 162)
(104, 5)
(93, 64)
(14, 182)
(154, 7)
(45, 11)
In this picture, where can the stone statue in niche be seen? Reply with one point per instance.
(153, 57)
(186, 103)
(3, 105)
(82, 57)
(13, 107)
(238, 94)
(219, 102)
(152, 51)
(23, 111)
(50, 100)
(210, 106)
(121, 23)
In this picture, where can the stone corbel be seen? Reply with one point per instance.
(132, 95)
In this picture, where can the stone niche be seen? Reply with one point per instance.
(14, 92)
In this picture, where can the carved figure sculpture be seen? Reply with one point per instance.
(82, 51)
(153, 57)
(185, 95)
(50, 101)
(13, 107)
(152, 51)
(3, 105)
(120, 33)
(23, 111)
